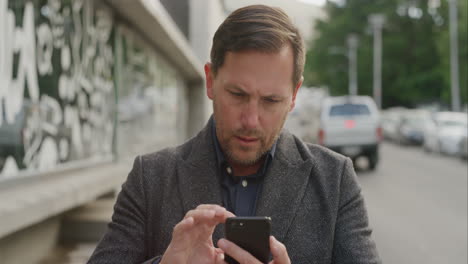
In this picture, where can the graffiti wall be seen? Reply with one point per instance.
(57, 92)
(77, 84)
(150, 97)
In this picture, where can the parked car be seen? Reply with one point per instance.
(446, 132)
(390, 124)
(350, 125)
(463, 147)
(412, 126)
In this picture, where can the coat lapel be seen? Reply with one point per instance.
(284, 186)
(197, 175)
(198, 185)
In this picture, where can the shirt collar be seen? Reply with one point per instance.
(221, 160)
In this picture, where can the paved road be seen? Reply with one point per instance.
(417, 205)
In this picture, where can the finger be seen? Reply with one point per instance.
(205, 221)
(218, 251)
(236, 252)
(279, 252)
(201, 215)
(222, 216)
(181, 228)
(210, 206)
(209, 216)
(220, 211)
(220, 258)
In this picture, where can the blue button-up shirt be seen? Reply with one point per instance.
(240, 193)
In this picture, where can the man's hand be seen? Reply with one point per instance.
(192, 237)
(278, 250)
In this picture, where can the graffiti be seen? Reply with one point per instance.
(21, 40)
(71, 116)
(44, 49)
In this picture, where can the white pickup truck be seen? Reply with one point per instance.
(350, 125)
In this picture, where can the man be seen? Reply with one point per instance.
(173, 204)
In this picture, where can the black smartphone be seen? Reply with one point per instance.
(250, 233)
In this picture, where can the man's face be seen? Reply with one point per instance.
(252, 94)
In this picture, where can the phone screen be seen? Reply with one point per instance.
(250, 233)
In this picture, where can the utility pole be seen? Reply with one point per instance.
(377, 21)
(454, 78)
(352, 42)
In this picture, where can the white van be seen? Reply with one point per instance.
(350, 125)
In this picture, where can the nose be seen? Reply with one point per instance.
(250, 115)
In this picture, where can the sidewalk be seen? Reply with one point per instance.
(74, 254)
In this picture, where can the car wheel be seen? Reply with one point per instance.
(439, 148)
(372, 164)
(373, 160)
(426, 148)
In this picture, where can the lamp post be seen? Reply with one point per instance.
(454, 78)
(377, 21)
(352, 42)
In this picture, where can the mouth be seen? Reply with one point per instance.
(247, 140)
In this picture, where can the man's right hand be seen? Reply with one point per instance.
(192, 237)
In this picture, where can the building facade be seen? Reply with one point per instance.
(85, 86)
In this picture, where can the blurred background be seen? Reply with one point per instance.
(86, 85)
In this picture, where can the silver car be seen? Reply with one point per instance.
(463, 147)
(446, 132)
(350, 125)
(412, 127)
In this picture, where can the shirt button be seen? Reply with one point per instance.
(229, 170)
(244, 183)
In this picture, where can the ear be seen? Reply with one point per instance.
(209, 81)
(296, 89)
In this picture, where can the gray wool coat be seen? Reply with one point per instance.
(310, 193)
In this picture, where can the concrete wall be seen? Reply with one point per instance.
(31, 243)
(205, 18)
(179, 12)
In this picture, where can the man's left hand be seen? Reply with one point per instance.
(278, 250)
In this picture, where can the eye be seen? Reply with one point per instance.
(271, 100)
(237, 94)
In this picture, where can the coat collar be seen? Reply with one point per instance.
(284, 185)
(197, 171)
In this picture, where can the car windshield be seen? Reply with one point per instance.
(349, 110)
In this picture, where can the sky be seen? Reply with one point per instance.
(317, 2)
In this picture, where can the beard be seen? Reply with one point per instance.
(229, 148)
(245, 155)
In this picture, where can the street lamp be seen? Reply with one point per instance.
(352, 42)
(377, 21)
(454, 78)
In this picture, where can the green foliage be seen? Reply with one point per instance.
(416, 54)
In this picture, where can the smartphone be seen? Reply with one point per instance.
(250, 233)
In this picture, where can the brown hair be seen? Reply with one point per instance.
(258, 27)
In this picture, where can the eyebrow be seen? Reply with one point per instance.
(234, 86)
(239, 89)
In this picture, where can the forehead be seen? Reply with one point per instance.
(268, 72)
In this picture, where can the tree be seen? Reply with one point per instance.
(412, 70)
